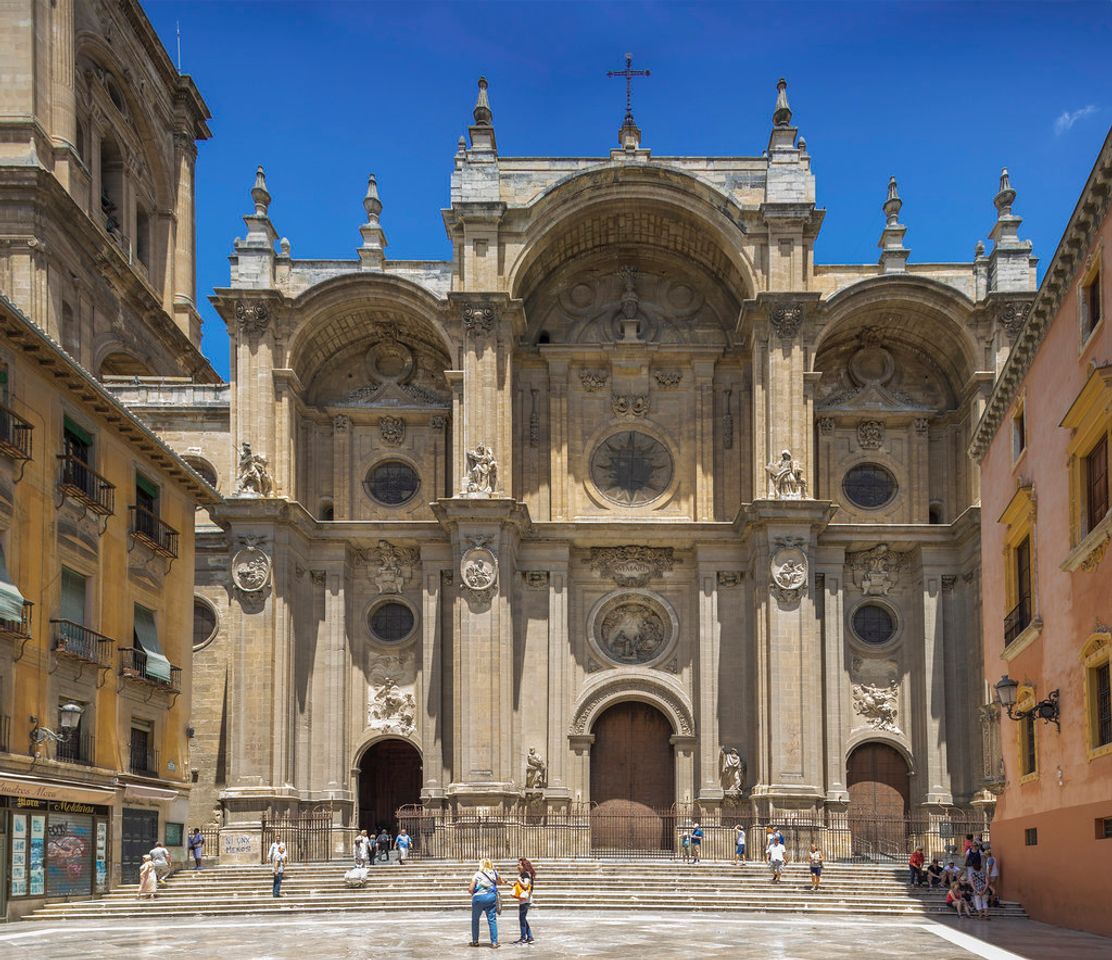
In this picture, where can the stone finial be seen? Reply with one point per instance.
(372, 254)
(259, 194)
(782, 115)
(1006, 195)
(482, 113)
(461, 147)
(893, 253)
(979, 249)
(284, 246)
(1012, 268)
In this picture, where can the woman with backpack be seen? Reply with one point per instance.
(523, 891)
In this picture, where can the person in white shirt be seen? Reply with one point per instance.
(815, 856)
(160, 857)
(776, 855)
(739, 843)
(362, 849)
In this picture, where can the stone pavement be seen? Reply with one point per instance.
(560, 935)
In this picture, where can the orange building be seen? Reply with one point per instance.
(1043, 444)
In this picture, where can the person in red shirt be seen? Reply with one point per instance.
(915, 868)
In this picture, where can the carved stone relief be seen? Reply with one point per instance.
(870, 434)
(875, 572)
(633, 628)
(786, 319)
(594, 380)
(826, 426)
(392, 431)
(479, 569)
(729, 578)
(631, 566)
(253, 479)
(788, 569)
(668, 378)
(653, 691)
(252, 317)
(478, 319)
(877, 705)
(251, 566)
(392, 566)
(536, 579)
(536, 771)
(482, 472)
(391, 710)
(630, 405)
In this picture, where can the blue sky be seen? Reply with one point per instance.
(941, 95)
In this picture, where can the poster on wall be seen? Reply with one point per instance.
(19, 855)
(69, 855)
(102, 857)
(36, 872)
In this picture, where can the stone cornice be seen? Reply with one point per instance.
(1077, 239)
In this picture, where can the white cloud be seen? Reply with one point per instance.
(1069, 117)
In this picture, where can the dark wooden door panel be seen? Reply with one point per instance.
(389, 777)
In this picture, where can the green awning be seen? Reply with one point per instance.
(146, 636)
(11, 600)
(149, 488)
(78, 431)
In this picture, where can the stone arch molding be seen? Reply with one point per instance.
(373, 737)
(897, 742)
(670, 702)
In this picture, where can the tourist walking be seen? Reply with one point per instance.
(685, 846)
(484, 899)
(196, 847)
(815, 857)
(148, 879)
(696, 841)
(278, 868)
(274, 844)
(523, 891)
(383, 844)
(402, 842)
(776, 855)
(362, 849)
(739, 844)
(163, 862)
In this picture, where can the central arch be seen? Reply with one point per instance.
(389, 778)
(877, 776)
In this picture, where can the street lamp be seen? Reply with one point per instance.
(69, 716)
(1045, 710)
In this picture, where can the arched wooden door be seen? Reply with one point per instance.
(879, 801)
(389, 777)
(633, 779)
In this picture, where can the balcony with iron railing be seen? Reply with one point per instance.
(78, 480)
(143, 760)
(18, 629)
(79, 748)
(15, 434)
(1017, 620)
(71, 639)
(133, 666)
(150, 529)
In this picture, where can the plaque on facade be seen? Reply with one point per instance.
(631, 468)
(631, 566)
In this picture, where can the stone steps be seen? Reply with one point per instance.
(859, 889)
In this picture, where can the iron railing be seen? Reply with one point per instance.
(74, 640)
(143, 760)
(76, 748)
(1017, 620)
(154, 532)
(18, 629)
(133, 666)
(307, 837)
(15, 434)
(593, 833)
(78, 480)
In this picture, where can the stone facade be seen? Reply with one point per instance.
(630, 443)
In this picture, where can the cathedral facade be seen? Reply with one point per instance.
(631, 503)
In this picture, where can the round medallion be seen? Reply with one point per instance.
(633, 628)
(250, 569)
(631, 468)
(479, 569)
(390, 360)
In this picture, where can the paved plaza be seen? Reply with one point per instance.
(560, 934)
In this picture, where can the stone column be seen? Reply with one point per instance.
(433, 703)
(63, 94)
(684, 751)
(558, 435)
(341, 467)
(830, 587)
(709, 782)
(253, 401)
(704, 440)
(928, 694)
(559, 665)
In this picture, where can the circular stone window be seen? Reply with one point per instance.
(873, 623)
(392, 482)
(869, 485)
(204, 623)
(631, 468)
(391, 622)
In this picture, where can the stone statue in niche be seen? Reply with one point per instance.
(392, 711)
(785, 478)
(732, 771)
(877, 705)
(633, 632)
(254, 475)
(482, 472)
(536, 771)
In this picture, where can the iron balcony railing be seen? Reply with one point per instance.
(78, 480)
(1017, 620)
(154, 532)
(133, 666)
(74, 640)
(143, 760)
(80, 749)
(15, 434)
(18, 629)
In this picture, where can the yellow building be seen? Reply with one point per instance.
(96, 628)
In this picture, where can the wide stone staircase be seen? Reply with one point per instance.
(653, 885)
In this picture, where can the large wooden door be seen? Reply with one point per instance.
(389, 777)
(877, 776)
(633, 779)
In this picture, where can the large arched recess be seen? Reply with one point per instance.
(334, 315)
(651, 206)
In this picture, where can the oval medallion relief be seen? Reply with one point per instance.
(633, 628)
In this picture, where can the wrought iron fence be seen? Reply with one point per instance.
(307, 837)
(588, 832)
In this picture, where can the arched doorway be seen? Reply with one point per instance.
(877, 776)
(633, 779)
(389, 777)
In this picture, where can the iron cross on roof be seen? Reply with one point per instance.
(628, 73)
